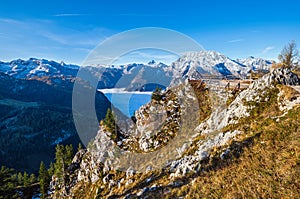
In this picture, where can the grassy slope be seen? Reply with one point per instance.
(268, 168)
(264, 163)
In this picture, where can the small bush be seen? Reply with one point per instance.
(157, 94)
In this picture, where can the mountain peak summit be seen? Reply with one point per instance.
(152, 62)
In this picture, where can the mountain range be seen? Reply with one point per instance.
(36, 97)
(191, 65)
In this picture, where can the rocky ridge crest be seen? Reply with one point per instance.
(211, 139)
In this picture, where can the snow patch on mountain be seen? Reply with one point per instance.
(256, 63)
(23, 69)
(208, 62)
(146, 77)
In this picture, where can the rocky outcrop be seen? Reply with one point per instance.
(208, 140)
(191, 163)
(222, 117)
(157, 122)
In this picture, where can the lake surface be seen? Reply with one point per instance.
(127, 102)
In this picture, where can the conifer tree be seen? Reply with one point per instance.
(25, 179)
(110, 125)
(79, 146)
(43, 180)
(32, 178)
(51, 169)
(69, 154)
(109, 121)
(8, 183)
(20, 178)
(63, 159)
(59, 165)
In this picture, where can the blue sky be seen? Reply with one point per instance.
(69, 30)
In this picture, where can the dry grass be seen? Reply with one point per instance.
(297, 71)
(267, 166)
(205, 103)
(289, 93)
(270, 168)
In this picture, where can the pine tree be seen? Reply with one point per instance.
(43, 180)
(79, 146)
(32, 178)
(60, 165)
(20, 178)
(8, 183)
(110, 124)
(109, 121)
(59, 161)
(26, 179)
(51, 170)
(69, 154)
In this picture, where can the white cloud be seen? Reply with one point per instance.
(47, 39)
(141, 15)
(54, 37)
(87, 38)
(11, 21)
(267, 49)
(69, 15)
(235, 40)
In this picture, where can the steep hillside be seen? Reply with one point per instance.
(34, 117)
(240, 148)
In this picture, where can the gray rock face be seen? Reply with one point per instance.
(157, 122)
(222, 117)
(195, 64)
(90, 165)
(256, 63)
(283, 76)
(191, 163)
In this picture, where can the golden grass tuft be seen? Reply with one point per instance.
(270, 168)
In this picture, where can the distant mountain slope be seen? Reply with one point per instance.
(256, 63)
(215, 63)
(192, 65)
(34, 117)
(37, 67)
(208, 62)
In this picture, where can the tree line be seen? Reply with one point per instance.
(16, 184)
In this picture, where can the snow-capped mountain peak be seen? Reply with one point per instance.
(256, 63)
(215, 63)
(208, 62)
(23, 69)
(192, 65)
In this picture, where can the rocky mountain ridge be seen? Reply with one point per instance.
(216, 138)
(192, 65)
